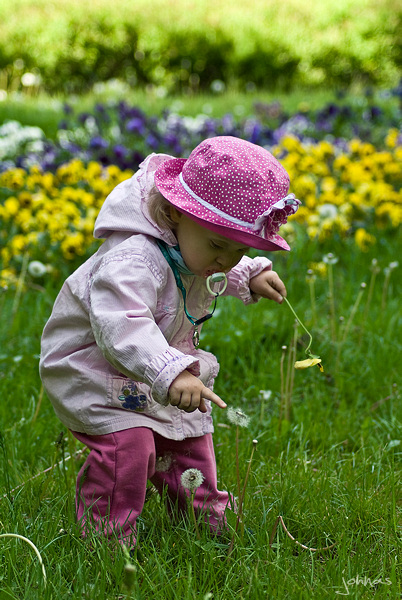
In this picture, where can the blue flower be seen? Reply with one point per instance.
(136, 125)
(98, 143)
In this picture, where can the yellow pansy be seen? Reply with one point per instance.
(11, 207)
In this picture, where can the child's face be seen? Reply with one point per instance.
(204, 251)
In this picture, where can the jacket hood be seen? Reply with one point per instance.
(125, 209)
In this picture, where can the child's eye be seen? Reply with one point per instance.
(215, 245)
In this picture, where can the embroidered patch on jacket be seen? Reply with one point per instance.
(131, 398)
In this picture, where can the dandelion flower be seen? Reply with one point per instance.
(192, 479)
(330, 259)
(309, 362)
(238, 417)
(36, 268)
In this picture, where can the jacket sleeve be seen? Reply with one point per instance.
(239, 278)
(123, 300)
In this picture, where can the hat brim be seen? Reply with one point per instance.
(168, 183)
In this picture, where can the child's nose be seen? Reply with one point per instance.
(225, 260)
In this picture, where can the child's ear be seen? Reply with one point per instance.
(175, 215)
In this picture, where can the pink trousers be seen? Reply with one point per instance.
(111, 484)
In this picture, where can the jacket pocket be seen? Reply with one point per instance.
(130, 395)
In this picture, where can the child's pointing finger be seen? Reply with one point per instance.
(210, 395)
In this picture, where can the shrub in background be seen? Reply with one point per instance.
(188, 47)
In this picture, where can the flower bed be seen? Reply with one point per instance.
(51, 192)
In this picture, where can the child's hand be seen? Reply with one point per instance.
(269, 285)
(187, 392)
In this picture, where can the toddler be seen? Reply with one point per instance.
(120, 360)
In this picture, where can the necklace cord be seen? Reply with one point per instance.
(181, 287)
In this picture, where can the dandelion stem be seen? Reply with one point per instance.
(35, 549)
(197, 531)
(241, 499)
(300, 323)
(385, 288)
(353, 312)
(331, 300)
(237, 463)
(20, 284)
(283, 399)
(370, 293)
(312, 300)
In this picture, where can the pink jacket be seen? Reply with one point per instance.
(118, 336)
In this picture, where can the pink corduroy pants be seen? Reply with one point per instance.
(111, 485)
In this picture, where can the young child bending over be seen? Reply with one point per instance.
(120, 360)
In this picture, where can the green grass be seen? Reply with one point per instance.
(332, 470)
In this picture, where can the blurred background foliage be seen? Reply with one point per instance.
(184, 46)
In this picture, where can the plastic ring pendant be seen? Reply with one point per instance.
(217, 278)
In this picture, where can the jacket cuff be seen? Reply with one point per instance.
(163, 370)
(239, 278)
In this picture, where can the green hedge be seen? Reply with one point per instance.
(185, 45)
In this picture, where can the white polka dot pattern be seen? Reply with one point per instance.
(230, 185)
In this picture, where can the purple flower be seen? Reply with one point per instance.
(120, 151)
(136, 125)
(152, 141)
(98, 143)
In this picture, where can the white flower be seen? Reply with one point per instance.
(192, 479)
(30, 79)
(238, 417)
(265, 394)
(327, 211)
(330, 259)
(36, 268)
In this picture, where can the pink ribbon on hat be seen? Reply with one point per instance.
(276, 215)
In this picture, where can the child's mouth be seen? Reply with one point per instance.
(209, 272)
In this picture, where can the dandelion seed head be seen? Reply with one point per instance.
(238, 417)
(330, 259)
(192, 479)
(36, 268)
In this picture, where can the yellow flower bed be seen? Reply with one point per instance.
(50, 217)
(345, 193)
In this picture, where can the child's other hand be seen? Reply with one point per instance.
(269, 285)
(187, 392)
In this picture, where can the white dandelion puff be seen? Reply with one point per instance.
(238, 417)
(192, 479)
(37, 269)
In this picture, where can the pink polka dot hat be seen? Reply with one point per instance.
(232, 187)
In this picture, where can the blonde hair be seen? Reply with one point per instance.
(160, 209)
